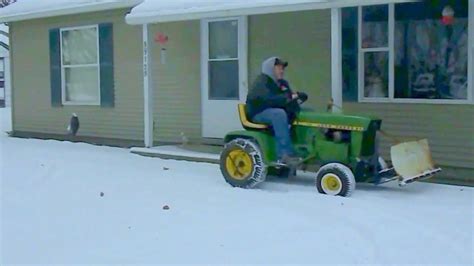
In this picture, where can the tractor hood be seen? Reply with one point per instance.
(338, 121)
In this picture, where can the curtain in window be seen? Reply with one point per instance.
(431, 59)
(80, 47)
(80, 65)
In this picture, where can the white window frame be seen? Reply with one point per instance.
(391, 50)
(63, 67)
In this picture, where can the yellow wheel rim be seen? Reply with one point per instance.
(331, 184)
(239, 165)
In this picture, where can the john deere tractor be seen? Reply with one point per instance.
(340, 149)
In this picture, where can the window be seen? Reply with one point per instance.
(374, 51)
(80, 66)
(224, 60)
(350, 48)
(431, 58)
(406, 52)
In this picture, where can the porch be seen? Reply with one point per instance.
(191, 153)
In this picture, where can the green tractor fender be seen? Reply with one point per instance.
(263, 139)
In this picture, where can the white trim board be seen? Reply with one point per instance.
(336, 56)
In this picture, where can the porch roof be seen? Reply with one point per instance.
(153, 11)
(32, 9)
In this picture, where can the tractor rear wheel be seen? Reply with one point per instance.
(242, 164)
(335, 179)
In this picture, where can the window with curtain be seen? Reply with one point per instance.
(430, 54)
(80, 65)
(375, 51)
(431, 57)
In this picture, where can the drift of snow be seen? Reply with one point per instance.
(65, 203)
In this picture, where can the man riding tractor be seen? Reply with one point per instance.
(271, 101)
(341, 149)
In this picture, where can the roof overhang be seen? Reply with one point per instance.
(67, 10)
(154, 12)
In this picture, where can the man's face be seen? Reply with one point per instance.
(279, 71)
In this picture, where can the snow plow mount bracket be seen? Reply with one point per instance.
(428, 174)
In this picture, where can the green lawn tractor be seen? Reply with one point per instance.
(340, 149)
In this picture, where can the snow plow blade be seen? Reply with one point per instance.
(412, 161)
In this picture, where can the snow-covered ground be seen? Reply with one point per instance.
(53, 213)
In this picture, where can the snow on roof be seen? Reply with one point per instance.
(171, 10)
(153, 11)
(31, 9)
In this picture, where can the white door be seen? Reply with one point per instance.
(224, 74)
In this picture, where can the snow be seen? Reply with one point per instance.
(52, 213)
(171, 6)
(26, 9)
(186, 8)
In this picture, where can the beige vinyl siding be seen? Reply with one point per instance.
(449, 128)
(302, 38)
(177, 84)
(32, 110)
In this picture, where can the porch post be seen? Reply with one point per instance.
(336, 56)
(147, 90)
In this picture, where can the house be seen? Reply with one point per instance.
(147, 72)
(5, 91)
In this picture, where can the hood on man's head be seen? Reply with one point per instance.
(270, 63)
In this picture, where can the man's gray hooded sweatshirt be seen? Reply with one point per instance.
(266, 92)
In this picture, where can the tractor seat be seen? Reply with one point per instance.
(246, 123)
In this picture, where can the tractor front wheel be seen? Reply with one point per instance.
(336, 180)
(242, 164)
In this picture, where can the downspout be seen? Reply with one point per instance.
(147, 90)
(336, 57)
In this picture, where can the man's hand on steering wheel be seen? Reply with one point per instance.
(295, 96)
(299, 97)
(303, 97)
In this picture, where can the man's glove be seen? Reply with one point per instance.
(303, 97)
